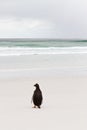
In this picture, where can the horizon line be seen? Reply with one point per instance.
(59, 39)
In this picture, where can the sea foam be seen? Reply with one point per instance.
(18, 51)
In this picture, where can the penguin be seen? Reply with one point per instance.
(37, 97)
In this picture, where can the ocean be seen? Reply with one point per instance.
(17, 47)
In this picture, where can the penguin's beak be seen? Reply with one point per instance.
(35, 85)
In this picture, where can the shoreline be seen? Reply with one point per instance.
(43, 66)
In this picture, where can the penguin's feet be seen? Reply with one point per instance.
(39, 107)
(34, 106)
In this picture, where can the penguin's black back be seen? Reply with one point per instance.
(37, 97)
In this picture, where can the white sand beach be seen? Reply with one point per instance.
(63, 81)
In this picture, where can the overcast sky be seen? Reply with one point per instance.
(43, 18)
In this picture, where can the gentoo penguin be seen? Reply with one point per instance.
(37, 96)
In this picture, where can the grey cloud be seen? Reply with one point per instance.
(68, 17)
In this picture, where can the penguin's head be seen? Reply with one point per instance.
(37, 85)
